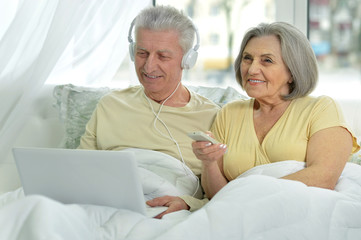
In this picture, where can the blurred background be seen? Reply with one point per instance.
(332, 26)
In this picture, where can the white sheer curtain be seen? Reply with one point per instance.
(94, 53)
(78, 41)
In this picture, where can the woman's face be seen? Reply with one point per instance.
(265, 76)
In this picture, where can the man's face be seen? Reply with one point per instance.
(158, 58)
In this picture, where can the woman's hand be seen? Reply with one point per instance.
(211, 155)
(207, 152)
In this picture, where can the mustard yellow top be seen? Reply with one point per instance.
(287, 139)
(125, 119)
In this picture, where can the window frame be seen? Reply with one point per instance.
(297, 17)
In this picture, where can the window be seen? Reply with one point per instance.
(214, 39)
(335, 35)
(221, 25)
(214, 10)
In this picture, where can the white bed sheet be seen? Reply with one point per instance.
(257, 205)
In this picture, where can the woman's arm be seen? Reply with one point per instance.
(213, 178)
(327, 153)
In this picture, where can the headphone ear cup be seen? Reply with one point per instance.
(131, 50)
(189, 59)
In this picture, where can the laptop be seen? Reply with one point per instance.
(75, 176)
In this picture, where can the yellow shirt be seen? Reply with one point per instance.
(124, 119)
(287, 139)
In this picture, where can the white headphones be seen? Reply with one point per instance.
(189, 59)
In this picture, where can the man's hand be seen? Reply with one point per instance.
(173, 203)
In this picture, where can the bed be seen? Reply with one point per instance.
(256, 205)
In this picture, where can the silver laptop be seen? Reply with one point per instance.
(105, 178)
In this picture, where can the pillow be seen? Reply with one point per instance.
(76, 105)
(218, 95)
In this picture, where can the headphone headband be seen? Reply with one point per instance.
(189, 58)
(130, 39)
(197, 35)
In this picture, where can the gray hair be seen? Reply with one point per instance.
(296, 52)
(160, 18)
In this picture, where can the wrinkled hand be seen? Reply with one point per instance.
(173, 203)
(208, 153)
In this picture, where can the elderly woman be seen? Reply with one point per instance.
(277, 68)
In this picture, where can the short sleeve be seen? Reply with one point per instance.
(327, 113)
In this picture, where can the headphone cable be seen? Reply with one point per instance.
(187, 170)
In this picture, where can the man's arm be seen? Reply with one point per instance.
(89, 139)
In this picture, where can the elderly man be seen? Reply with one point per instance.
(158, 113)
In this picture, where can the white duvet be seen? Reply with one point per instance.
(257, 205)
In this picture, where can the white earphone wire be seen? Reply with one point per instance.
(170, 137)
